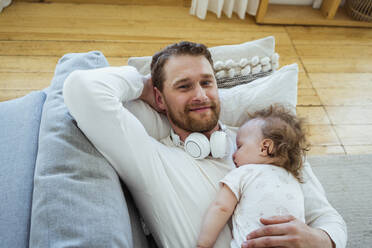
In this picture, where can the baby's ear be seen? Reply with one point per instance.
(267, 148)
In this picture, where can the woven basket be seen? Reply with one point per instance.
(360, 10)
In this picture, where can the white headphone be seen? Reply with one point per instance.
(198, 146)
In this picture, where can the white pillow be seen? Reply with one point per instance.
(264, 47)
(280, 87)
(236, 103)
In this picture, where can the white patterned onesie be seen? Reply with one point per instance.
(262, 190)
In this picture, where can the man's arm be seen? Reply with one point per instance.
(324, 226)
(217, 216)
(94, 98)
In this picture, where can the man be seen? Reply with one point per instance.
(171, 188)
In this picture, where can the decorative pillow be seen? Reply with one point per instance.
(19, 131)
(234, 64)
(243, 63)
(231, 73)
(78, 199)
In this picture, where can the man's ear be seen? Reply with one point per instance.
(159, 99)
(267, 147)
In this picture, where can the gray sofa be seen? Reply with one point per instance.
(57, 190)
(50, 171)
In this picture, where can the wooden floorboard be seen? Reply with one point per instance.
(335, 79)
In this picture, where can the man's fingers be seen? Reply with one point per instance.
(273, 241)
(269, 230)
(277, 219)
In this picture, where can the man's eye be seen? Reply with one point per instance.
(206, 83)
(185, 86)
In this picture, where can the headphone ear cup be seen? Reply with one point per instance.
(218, 144)
(197, 145)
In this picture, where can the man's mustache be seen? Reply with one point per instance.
(192, 107)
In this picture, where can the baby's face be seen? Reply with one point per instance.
(248, 141)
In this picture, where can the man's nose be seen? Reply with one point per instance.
(200, 93)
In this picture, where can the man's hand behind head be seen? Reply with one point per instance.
(148, 94)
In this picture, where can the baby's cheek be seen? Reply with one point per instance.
(240, 157)
(239, 161)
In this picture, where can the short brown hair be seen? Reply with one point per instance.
(182, 48)
(286, 131)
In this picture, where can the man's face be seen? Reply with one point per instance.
(190, 95)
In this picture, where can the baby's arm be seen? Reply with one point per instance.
(217, 216)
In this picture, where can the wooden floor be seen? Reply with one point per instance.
(335, 86)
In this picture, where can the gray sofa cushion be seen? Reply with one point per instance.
(19, 130)
(78, 200)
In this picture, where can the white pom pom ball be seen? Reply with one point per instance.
(221, 74)
(243, 62)
(256, 69)
(218, 65)
(246, 70)
(231, 72)
(275, 58)
(255, 60)
(229, 64)
(265, 60)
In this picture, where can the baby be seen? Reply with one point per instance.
(266, 182)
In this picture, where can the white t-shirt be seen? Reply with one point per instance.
(262, 190)
(171, 189)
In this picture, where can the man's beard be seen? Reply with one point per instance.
(188, 123)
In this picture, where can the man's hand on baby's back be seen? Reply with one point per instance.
(287, 231)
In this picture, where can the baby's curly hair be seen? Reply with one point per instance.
(286, 131)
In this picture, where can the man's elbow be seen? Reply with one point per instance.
(74, 86)
(73, 82)
(75, 89)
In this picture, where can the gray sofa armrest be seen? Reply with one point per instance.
(78, 200)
